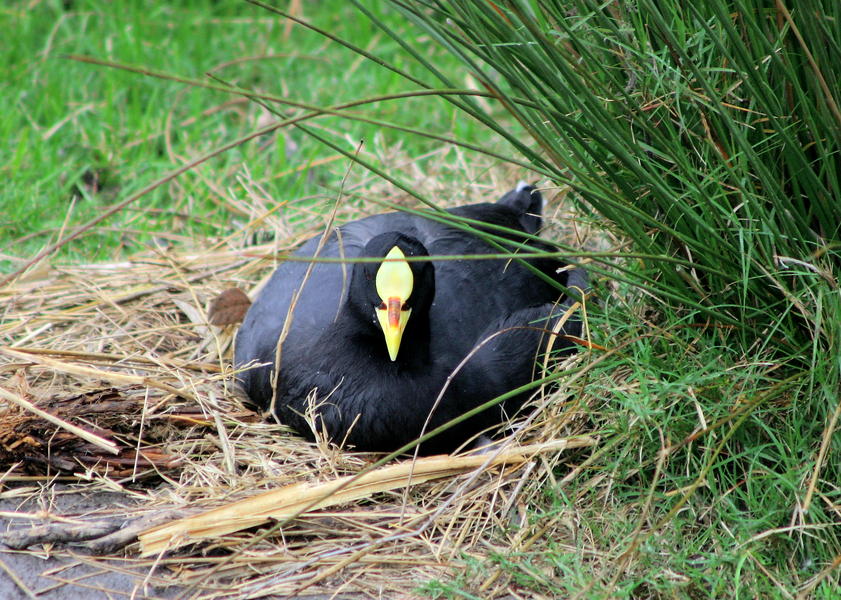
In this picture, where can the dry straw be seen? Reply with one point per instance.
(114, 381)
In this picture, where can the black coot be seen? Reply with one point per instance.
(371, 345)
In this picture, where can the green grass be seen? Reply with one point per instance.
(612, 533)
(79, 137)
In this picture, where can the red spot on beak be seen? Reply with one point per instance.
(394, 306)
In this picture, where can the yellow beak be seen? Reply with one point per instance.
(393, 320)
(394, 286)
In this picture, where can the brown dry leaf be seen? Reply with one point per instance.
(228, 308)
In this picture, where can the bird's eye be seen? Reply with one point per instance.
(382, 306)
(405, 307)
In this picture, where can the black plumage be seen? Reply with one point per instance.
(335, 342)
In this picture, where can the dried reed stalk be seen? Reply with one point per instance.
(291, 501)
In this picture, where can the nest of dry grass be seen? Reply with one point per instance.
(115, 381)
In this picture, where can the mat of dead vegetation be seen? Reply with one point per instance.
(113, 381)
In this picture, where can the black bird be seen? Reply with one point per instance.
(377, 341)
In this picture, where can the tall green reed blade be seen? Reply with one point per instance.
(707, 131)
